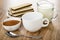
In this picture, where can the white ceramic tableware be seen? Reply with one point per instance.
(14, 27)
(34, 21)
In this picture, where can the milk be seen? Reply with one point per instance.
(46, 9)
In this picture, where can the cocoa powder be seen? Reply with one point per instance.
(11, 22)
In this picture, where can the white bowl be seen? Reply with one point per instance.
(14, 27)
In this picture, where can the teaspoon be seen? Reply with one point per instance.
(13, 35)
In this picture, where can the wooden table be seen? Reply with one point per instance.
(48, 33)
(44, 32)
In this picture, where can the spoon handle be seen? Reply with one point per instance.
(16, 35)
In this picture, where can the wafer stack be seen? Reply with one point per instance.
(20, 10)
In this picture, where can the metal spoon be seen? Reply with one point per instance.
(13, 35)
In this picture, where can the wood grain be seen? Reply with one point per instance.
(50, 34)
(44, 32)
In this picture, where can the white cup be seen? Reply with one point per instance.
(33, 21)
(14, 27)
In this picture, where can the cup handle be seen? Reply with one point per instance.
(45, 22)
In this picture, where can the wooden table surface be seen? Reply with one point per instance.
(48, 33)
(44, 32)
